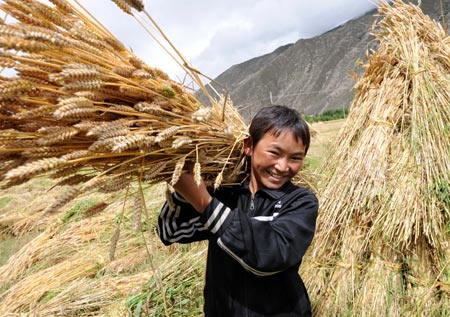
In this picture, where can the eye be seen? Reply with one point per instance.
(297, 158)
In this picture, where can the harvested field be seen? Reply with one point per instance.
(382, 243)
(326, 133)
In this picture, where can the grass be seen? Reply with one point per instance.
(4, 201)
(75, 213)
(182, 295)
(11, 244)
(13, 206)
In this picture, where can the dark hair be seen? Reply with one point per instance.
(276, 119)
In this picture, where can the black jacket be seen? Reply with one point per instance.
(256, 244)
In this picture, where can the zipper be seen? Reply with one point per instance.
(252, 202)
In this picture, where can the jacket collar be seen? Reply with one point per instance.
(273, 193)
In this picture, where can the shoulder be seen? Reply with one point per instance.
(297, 195)
(298, 191)
(228, 195)
(305, 192)
(225, 193)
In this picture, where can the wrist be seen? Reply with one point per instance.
(197, 195)
(202, 203)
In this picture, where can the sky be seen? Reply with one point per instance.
(214, 35)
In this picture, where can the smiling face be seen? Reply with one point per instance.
(275, 159)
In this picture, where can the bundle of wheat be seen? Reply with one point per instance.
(88, 112)
(381, 245)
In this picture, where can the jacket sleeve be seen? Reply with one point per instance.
(265, 245)
(181, 224)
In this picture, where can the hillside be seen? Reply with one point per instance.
(311, 74)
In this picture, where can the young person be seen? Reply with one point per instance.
(258, 232)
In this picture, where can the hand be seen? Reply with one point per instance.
(197, 195)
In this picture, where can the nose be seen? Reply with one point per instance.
(282, 165)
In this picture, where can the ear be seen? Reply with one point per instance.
(248, 146)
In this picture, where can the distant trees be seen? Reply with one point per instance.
(327, 115)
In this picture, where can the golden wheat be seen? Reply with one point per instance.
(83, 102)
(385, 209)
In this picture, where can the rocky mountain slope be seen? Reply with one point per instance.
(311, 75)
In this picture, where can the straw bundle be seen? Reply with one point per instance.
(86, 111)
(383, 229)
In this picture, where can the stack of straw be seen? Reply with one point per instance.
(86, 111)
(383, 234)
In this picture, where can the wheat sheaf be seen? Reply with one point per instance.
(84, 110)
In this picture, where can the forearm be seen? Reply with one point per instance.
(197, 195)
(184, 226)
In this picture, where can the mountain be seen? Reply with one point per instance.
(312, 74)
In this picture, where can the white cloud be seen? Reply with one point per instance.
(214, 35)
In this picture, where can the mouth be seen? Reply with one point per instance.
(276, 175)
